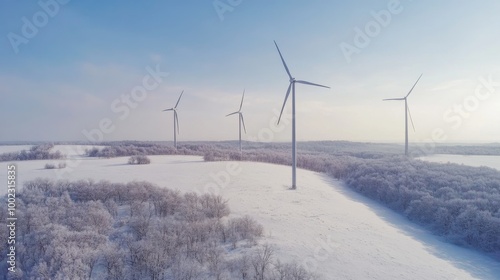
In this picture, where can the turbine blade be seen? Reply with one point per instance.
(309, 83)
(283, 60)
(176, 121)
(178, 99)
(284, 102)
(241, 104)
(243, 122)
(171, 109)
(387, 99)
(411, 120)
(232, 114)
(414, 85)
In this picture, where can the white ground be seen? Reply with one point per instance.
(489, 161)
(323, 225)
(13, 148)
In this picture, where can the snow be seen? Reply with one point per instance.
(322, 225)
(472, 160)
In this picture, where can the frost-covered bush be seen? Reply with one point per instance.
(141, 159)
(49, 166)
(93, 152)
(244, 228)
(53, 166)
(38, 152)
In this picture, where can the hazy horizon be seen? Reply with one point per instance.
(180, 143)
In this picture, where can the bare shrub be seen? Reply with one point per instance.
(291, 271)
(114, 262)
(112, 207)
(50, 166)
(139, 226)
(38, 152)
(214, 206)
(244, 228)
(92, 152)
(240, 267)
(186, 269)
(216, 262)
(140, 159)
(61, 165)
(262, 261)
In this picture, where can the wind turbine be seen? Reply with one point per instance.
(176, 119)
(241, 120)
(407, 113)
(291, 88)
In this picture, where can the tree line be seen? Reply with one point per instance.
(460, 203)
(37, 152)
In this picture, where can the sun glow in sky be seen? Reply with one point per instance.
(71, 68)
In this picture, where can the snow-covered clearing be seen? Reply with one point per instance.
(323, 224)
(13, 148)
(489, 161)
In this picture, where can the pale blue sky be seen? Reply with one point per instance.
(70, 73)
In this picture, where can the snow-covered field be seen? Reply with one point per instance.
(323, 224)
(489, 161)
(13, 148)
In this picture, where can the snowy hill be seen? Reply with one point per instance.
(322, 225)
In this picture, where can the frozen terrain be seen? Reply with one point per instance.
(489, 161)
(323, 225)
(14, 148)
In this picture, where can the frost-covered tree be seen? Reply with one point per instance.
(98, 230)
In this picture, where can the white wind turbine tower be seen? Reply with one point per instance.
(291, 88)
(241, 120)
(176, 119)
(407, 112)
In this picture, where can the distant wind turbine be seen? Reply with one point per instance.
(176, 119)
(291, 88)
(407, 113)
(240, 114)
